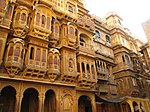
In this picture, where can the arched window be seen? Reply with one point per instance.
(127, 59)
(48, 22)
(88, 68)
(82, 42)
(44, 56)
(31, 53)
(50, 59)
(55, 60)
(70, 9)
(97, 34)
(71, 31)
(56, 29)
(83, 68)
(23, 17)
(107, 38)
(10, 51)
(17, 51)
(78, 67)
(18, 16)
(9, 10)
(43, 19)
(37, 17)
(92, 67)
(3, 3)
(38, 54)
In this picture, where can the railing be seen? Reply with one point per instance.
(124, 65)
(103, 88)
(86, 48)
(38, 64)
(15, 61)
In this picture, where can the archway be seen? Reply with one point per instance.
(7, 99)
(126, 107)
(84, 104)
(135, 106)
(30, 101)
(50, 101)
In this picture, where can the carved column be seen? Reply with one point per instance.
(131, 106)
(41, 103)
(139, 107)
(18, 102)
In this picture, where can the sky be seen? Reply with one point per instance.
(133, 13)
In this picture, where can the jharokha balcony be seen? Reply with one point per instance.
(85, 49)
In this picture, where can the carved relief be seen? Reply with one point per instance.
(67, 102)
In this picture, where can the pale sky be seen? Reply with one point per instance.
(133, 12)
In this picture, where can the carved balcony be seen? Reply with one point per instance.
(86, 80)
(122, 66)
(35, 69)
(53, 72)
(71, 40)
(103, 88)
(85, 49)
(13, 64)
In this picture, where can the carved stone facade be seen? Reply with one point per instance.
(55, 57)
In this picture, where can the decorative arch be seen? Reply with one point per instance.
(50, 101)
(31, 96)
(8, 99)
(135, 106)
(84, 104)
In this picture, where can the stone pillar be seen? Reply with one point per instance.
(41, 103)
(139, 107)
(18, 102)
(93, 104)
(131, 106)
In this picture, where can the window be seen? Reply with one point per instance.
(127, 59)
(123, 59)
(70, 9)
(8, 13)
(71, 31)
(97, 34)
(32, 53)
(17, 51)
(3, 3)
(88, 68)
(44, 56)
(43, 19)
(83, 68)
(37, 17)
(50, 60)
(55, 60)
(78, 67)
(18, 16)
(10, 51)
(82, 42)
(107, 38)
(38, 54)
(23, 17)
(92, 67)
(56, 29)
(48, 22)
